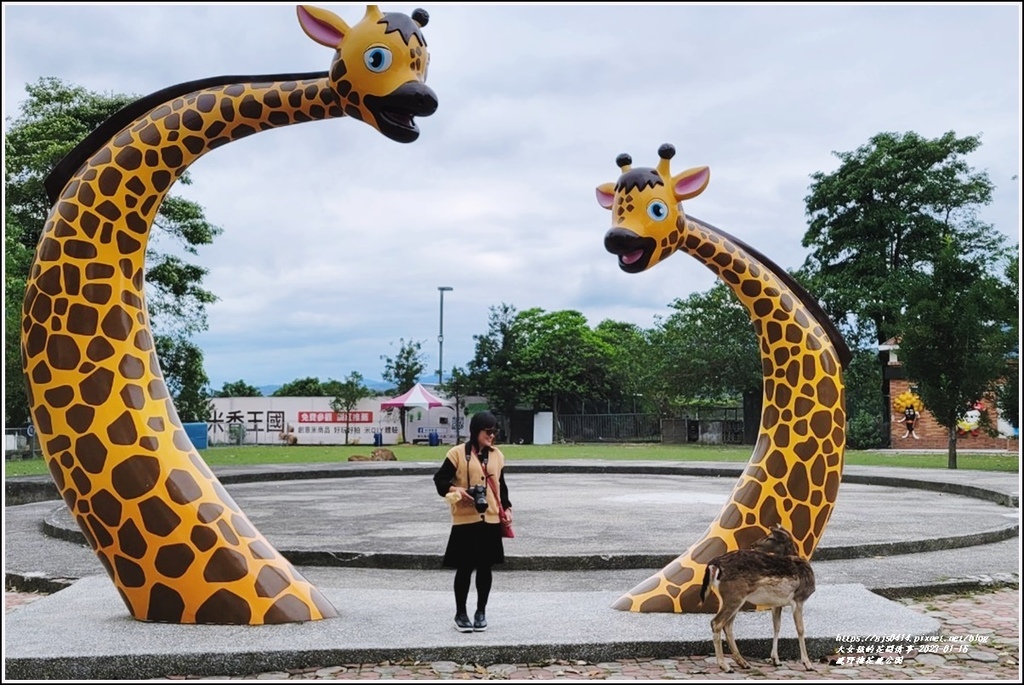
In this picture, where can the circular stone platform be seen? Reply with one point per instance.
(643, 520)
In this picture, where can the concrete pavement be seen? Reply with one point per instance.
(370, 536)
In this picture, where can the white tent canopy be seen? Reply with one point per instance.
(418, 396)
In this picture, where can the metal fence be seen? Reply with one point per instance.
(712, 428)
(609, 427)
(21, 443)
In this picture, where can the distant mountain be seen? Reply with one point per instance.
(377, 386)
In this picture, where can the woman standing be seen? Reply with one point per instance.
(469, 478)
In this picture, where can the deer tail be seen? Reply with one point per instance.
(709, 571)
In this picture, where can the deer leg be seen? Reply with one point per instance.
(776, 627)
(716, 637)
(723, 621)
(736, 656)
(798, 619)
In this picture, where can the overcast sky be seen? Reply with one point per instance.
(336, 239)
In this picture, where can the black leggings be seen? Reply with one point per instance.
(483, 587)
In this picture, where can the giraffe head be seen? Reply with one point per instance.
(379, 68)
(646, 211)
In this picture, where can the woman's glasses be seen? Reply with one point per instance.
(491, 431)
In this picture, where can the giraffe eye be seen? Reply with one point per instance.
(657, 210)
(377, 59)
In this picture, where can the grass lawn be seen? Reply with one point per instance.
(274, 454)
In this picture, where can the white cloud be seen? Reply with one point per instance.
(335, 239)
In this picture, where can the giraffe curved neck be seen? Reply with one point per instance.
(70, 163)
(88, 275)
(797, 290)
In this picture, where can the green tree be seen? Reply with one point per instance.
(301, 387)
(559, 357)
(881, 218)
(954, 342)
(238, 389)
(17, 257)
(491, 371)
(347, 395)
(630, 374)
(52, 121)
(181, 362)
(403, 370)
(707, 351)
(863, 377)
(884, 215)
(458, 388)
(1008, 389)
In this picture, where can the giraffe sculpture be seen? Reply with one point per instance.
(794, 472)
(175, 544)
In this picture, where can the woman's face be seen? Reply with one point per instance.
(486, 437)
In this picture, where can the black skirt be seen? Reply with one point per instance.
(474, 545)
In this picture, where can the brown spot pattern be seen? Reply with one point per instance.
(114, 446)
(794, 472)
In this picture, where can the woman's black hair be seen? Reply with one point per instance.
(480, 421)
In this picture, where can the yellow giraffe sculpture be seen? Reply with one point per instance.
(176, 545)
(794, 472)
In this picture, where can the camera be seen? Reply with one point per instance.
(479, 495)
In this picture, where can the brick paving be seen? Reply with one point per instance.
(979, 640)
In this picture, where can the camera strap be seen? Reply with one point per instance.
(469, 458)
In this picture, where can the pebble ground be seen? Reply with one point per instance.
(979, 640)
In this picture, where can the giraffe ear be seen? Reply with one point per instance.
(606, 195)
(323, 26)
(691, 182)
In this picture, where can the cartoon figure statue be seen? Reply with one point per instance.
(176, 545)
(911, 406)
(794, 472)
(970, 422)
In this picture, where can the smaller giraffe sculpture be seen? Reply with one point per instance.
(794, 472)
(178, 548)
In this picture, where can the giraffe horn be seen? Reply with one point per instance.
(666, 152)
(373, 13)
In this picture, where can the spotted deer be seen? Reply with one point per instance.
(770, 573)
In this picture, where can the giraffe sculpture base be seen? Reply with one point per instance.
(675, 589)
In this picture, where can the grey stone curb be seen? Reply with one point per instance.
(43, 584)
(28, 489)
(216, 663)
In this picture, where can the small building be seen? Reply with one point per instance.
(311, 421)
(929, 433)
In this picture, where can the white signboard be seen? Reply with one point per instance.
(311, 421)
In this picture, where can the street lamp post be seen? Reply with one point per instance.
(440, 335)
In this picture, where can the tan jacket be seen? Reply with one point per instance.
(464, 511)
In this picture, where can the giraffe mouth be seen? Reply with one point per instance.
(395, 113)
(633, 251)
